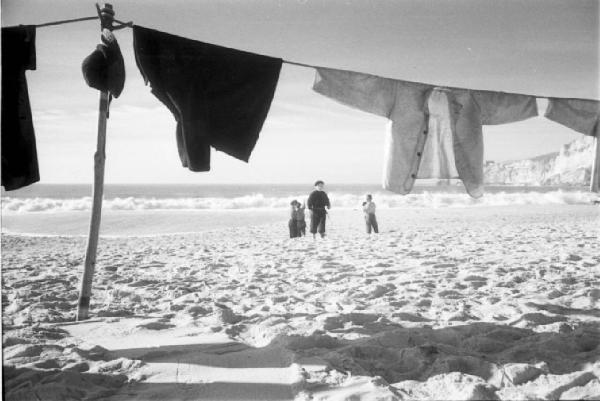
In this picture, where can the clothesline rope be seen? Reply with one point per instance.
(300, 64)
(129, 24)
(66, 21)
(69, 21)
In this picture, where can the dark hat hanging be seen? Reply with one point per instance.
(104, 69)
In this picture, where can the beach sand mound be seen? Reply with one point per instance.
(44, 362)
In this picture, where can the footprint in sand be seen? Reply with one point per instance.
(554, 294)
(381, 290)
(474, 278)
(535, 319)
(450, 294)
(424, 303)
(410, 317)
(475, 281)
(443, 265)
(383, 264)
(399, 304)
(156, 326)
(356, 319)
(461, 316)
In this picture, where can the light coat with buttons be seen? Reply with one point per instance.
(434, 132)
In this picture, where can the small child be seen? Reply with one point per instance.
(300, 222)
(370, 219)
(292, 223)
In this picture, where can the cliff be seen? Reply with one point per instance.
(570, 166)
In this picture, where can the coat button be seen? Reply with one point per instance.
(419, 154)
(425, 132)
(413, 175)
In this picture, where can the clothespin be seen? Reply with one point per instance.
(106, 15)
(107, 18)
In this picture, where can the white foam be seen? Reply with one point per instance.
(384, 200)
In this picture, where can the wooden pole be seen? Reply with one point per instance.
(98, 190)
(595, 179)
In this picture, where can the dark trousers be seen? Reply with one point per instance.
(371, 222)
(317, 221)
(293, 228)
(301, 227)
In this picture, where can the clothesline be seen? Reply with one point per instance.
(126, 25)
(130, 24)
(66, 21)
(69, 21)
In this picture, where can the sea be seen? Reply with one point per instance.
(64, 209)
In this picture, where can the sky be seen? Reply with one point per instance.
(537, 47)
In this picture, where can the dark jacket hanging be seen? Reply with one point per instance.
(220, 97)
(19, 154)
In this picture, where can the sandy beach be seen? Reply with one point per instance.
(450, 303)
(183, 137)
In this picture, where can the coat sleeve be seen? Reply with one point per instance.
(365, 92)
(578, 114)
(502, 108)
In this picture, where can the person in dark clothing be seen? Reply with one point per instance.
(318, 203)
(292, 222)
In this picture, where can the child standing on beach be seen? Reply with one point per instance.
(300, 222)
(292, 224)
(317, 204)
(370, 219)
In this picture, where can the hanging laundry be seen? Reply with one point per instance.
(220, 97)
(104, 68)
(19, 154)
(437, 159)
(435, 132)
(582, 116)
(578, 114)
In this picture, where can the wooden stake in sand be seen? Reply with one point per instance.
(106, 15)
(595, 181)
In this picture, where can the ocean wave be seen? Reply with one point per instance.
(259, 201)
